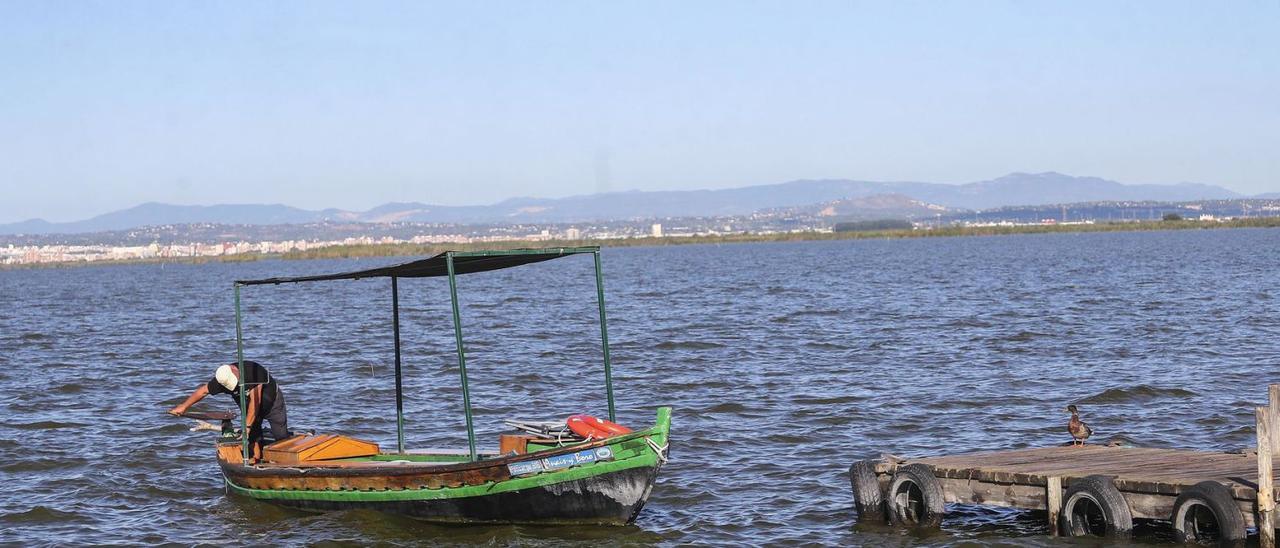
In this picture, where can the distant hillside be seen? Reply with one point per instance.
(1056, 188)
(152, 214)
(1009, 190)
(873, 207)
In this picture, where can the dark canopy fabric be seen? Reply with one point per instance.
(463, 263)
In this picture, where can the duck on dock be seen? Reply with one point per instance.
(1077, 428)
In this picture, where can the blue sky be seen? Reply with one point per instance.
(106, 105)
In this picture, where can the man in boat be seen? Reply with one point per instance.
(266, 400)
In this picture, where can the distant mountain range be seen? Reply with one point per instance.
(1009, 190)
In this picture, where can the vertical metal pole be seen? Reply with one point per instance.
(244, 402)
(395, 326)
(462, 360)
(604, 338)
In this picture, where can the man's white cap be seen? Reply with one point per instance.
(226, 377)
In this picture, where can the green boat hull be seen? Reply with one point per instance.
(609, 491)
(612, 498)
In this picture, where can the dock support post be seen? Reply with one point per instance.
(1053, 501)
(1266, 499)
(1273, 408)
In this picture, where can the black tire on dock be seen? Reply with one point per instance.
(866, 491)
(1093, 506)
(914, 498)
(1207, 512)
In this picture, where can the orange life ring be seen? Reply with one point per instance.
(593, 428)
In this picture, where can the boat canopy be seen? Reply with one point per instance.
(464, 262)
(449, 264)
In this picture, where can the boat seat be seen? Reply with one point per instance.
(519, 443)
(357, 464)
(487, 453)
(304, 448)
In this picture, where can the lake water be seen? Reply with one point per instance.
(784, 363)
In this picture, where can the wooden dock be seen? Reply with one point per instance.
(1197, 491)
(1150, 479)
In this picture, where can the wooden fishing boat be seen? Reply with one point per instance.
(532, 478)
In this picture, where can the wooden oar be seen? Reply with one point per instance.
(210, 415)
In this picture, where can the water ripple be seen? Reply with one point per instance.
(780, 374)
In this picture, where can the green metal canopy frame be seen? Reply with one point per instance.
(451, 264)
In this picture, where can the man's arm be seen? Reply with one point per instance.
(252, 412)
(191, 400)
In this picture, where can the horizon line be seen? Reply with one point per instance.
(628, 191)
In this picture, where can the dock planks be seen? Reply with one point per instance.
(1140, 470)
(1149, 479)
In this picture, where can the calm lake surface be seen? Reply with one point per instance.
(784, 363)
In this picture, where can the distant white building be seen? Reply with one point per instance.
(656, 230)
(573, 234)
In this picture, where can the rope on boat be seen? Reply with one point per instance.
(547, 429)
(660, 450)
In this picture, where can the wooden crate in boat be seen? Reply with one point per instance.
(303, 448)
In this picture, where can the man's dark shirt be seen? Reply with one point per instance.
(255, 373)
